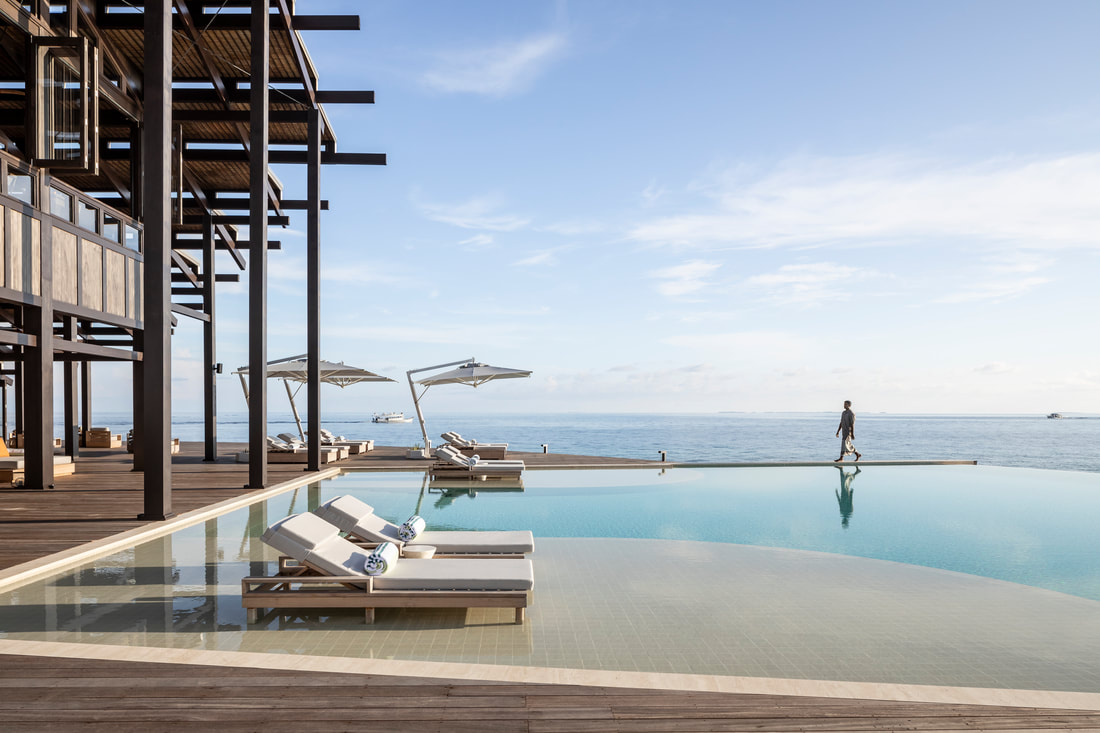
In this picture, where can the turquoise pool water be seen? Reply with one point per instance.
(1027, 526)
(810, 573)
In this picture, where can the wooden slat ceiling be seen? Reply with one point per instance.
(227, 50)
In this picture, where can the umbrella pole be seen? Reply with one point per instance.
(416, 404)
(294, 409)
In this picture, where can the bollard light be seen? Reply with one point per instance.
(662, 452)
(545, 447)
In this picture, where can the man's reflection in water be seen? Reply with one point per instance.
(844, 495)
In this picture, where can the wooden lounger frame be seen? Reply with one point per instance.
(299, 585)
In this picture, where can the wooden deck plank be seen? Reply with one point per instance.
(94, 694)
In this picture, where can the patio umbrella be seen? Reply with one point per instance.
(296, 369)
(470, 372)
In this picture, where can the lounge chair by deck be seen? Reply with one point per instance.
(355, 447)
(280, 451)
(452, 464)
(360, 522)
(328, 572)
(492, 451)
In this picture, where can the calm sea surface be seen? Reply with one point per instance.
(1072, 443)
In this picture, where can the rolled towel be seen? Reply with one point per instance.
(382, 559)
(413, 526)
(474, 459)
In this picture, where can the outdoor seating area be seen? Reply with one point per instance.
(282, 451)
(364, 527)
(321, 569)
(492, 451)
(452, 464)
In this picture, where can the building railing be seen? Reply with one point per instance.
(95, 251)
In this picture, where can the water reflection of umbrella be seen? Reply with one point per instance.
(296, 369)
(470, 372)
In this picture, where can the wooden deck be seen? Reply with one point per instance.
(104, 498)
(67, 694)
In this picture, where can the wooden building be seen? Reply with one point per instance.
(136, 139)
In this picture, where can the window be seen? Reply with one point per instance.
(21, 186)
(112, 228)
(87, 217)
(133, 238)
(61, 204)
(65, 104)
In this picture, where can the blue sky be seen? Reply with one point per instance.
(701, 206)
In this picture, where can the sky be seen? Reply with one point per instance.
(669, 206)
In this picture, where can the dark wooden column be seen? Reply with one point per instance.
(156, 432)
(38, 393)
(313, 290)
(257, 241)
(71, 388)
(139, 402)
(85, 399)
(19, 376)
(209, 346)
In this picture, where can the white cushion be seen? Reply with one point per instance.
(343, 511)
(459, 574)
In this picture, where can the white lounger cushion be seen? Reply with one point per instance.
(472, 574)
(354, 517)
(331, 553)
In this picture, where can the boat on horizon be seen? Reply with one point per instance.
(388, 417)
(1054, 416)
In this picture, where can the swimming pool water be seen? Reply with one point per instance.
(747, 572)
(1027, 526)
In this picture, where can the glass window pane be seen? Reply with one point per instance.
(133, 239)
(111, 228)
(87, 217)
(62, 105)
(21, 186)
(61, 204)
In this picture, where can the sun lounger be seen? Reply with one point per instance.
(492, 451)
(324, 570)
(452, 464)
(361, 523)
(355, 447)
(280, 451)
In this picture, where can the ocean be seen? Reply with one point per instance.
(1072, 443)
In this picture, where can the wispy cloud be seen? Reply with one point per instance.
(995, 290)
(477, 213)
(808, 284)
(996, 367)
(478, 241)
(873, 200)
(496, 71)
(545, 257)
(686, 279)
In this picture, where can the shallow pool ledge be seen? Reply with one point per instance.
(28, 571)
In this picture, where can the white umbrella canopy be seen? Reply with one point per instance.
(473, 373)
(296, 369)
(470, 372)
(338, 373)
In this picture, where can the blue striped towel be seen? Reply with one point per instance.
(382, 559)
(413, 526)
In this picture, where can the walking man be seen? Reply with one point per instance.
(847, 432)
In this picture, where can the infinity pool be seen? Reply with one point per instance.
(946, 575)
(1024, 525)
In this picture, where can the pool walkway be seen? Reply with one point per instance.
(68, 686)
